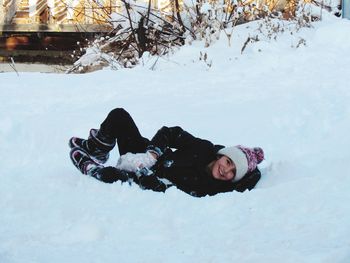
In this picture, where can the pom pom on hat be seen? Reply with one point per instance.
(245, 159)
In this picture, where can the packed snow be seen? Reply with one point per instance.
(288, 95)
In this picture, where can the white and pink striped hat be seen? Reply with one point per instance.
(245, 159)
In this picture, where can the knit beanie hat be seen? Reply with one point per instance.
(245, 159)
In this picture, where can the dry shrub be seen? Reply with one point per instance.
(139, 29)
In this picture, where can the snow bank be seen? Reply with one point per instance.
(293, 102)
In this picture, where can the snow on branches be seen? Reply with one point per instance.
(146, 27)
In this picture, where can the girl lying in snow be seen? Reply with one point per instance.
(172, 158)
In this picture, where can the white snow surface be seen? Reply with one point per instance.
(292, 102)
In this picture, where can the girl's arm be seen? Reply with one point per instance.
(176, 137)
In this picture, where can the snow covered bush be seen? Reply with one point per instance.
(137, 29)
(140, 28)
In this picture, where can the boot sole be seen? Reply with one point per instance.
(72, 145)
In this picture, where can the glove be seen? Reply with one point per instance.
(133, 162)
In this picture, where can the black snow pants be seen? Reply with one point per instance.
(120, 126)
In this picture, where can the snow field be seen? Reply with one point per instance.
(293, 102)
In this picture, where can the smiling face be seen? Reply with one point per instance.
(223, 169)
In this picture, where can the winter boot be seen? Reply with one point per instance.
(83, 162)
(97, 146)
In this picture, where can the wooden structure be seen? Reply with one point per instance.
(56, 15)
(62, 15)
(51, 29)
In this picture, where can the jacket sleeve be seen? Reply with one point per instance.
(176, 137)
(249, 181)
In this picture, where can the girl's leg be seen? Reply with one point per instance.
(87, 155)
(121, 127)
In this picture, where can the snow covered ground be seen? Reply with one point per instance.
(293, 102)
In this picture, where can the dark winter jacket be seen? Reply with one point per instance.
(184, 163)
